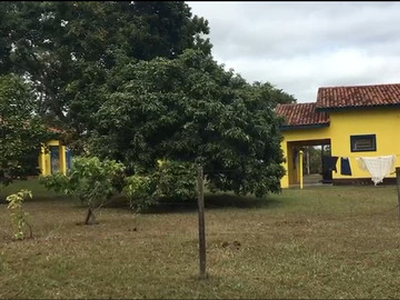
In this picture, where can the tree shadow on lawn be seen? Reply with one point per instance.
(215, 201)
(40, 198)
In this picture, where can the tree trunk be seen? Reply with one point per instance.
(90, 219)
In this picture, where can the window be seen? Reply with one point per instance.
(363, 143)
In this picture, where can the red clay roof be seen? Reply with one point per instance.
(53, 129)
(301, 114)
(358, 96)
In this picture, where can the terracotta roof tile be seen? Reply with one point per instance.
(301, 114)
(53, 129)
(358, 96)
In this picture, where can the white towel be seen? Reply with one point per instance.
(378, 166)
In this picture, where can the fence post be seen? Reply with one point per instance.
(398, 188)
(301, 168)
(202, 236)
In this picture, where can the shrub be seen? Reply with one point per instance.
(91, 180)
(140, 192)
(17, 214)
(175, 181)
(171, 181)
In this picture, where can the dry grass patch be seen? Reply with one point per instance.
(331, 242)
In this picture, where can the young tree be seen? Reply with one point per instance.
(17, 214)
(190, 109)
(91, 180)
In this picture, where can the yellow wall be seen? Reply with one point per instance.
(296, 135)
(383, 122)
(45, 161)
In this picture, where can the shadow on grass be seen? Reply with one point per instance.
(212, 201)
(40, 198)
(39, 192)
(215, 201)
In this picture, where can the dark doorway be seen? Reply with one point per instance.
(313, 153)
(328, 164)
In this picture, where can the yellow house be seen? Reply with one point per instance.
(54, 157)
(355, 121)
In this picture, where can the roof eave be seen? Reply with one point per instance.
(330, 109)
(304, 126)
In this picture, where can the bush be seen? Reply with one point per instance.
(171, 181)
(140, 192)
(91, 180)
(58, 182)
(175, 181)
(94, 181)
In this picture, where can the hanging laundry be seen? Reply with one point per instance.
(345, 166)
(378, 167)
(329, 163)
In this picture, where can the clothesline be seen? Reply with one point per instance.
(357, 156)
(378, 166)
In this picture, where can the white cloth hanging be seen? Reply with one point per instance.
(378, 166)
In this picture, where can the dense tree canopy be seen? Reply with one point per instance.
(21, 133)
(191, 109)
(67, 47)
(135, 81)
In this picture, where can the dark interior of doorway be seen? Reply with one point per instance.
(317, 163)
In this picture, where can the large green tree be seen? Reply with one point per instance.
(21, 132)
(191, 109)
(66, 48)
(140, 77)
(271, 93)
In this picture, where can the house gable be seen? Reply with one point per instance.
(338, 98)
(302, 115)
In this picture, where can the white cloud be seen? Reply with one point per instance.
(301, 46)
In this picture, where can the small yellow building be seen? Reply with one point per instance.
(355, 121)
(54, 157)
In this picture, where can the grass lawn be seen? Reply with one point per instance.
(321, 242)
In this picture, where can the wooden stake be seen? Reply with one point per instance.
(398, 188)
(301, 168)
(202, 236)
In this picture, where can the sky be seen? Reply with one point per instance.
(301, 46)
